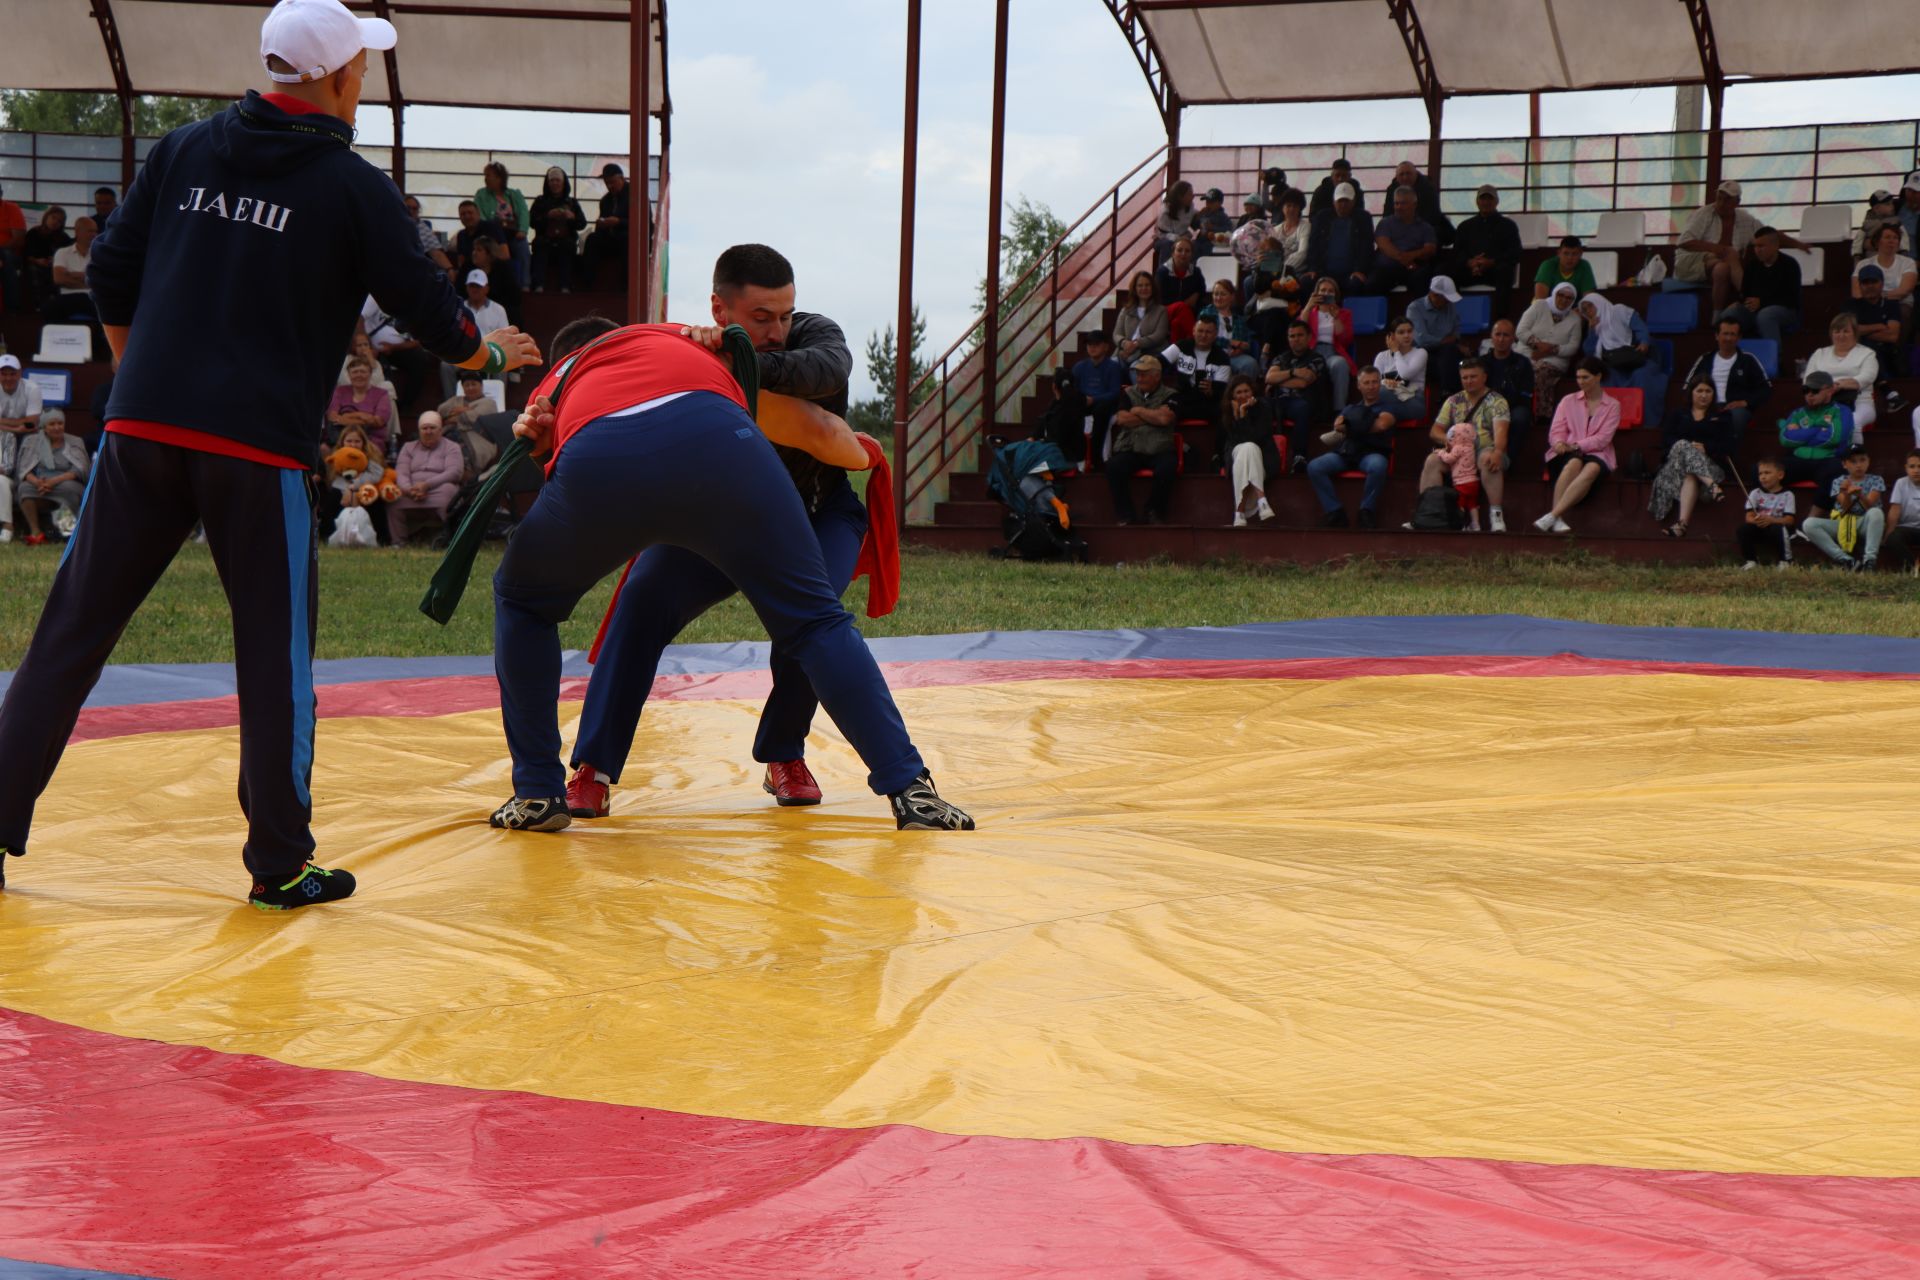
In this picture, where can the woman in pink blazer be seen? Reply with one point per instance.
(1582, 444)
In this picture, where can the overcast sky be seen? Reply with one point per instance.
(792, 137)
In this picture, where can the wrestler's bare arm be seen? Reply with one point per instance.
(803, 425)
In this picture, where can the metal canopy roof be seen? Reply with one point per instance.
(561, 55)
(1208, 52)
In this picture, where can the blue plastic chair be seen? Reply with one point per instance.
(1663, 353)
(1673, 312)
(1476, 313)
(1766, 351)
(1369, 315)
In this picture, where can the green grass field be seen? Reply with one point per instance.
(369, 600)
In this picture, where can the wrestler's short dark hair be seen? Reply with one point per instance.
(751, 264)
(577, 334)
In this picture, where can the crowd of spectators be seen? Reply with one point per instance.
(1266, 354)
(406, 472)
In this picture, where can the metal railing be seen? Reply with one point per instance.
(1058, 293)
(39, 169)
(1573, 180)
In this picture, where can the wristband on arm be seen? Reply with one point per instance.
(496, 361)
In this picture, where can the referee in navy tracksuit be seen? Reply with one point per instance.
(801, 355)
(228, 283)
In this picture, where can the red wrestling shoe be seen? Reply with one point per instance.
(791, 783)
(587, 796)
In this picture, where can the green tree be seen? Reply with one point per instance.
(1029, 231)
(875, 416)
(52, 111)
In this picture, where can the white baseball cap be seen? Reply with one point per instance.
(1443, 285)
(477, 276)
(318, 37)
(9, 362)
(1343, 192)
(1913, 181)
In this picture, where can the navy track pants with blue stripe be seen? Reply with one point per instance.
(142, 502)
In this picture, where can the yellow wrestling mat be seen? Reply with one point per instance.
(1664, 921)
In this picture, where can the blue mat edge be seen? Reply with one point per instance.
(1491, 635)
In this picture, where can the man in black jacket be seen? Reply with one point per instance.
(1740, 383)
(269, 197)
(801, 355)
(608, 242)
(1339, 174)
(1486, 250)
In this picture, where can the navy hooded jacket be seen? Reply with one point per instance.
(241, 258)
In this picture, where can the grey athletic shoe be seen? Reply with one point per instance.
(920, 808)
(547, 813)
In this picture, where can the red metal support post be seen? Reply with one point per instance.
(1531, 170)
(639, 186)
(122, 86)
(996, 176)
(1432, 92)
(1716, 81)
(903, 326)
(382, 9)
(1173, 142)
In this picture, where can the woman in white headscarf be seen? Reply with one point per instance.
(1618, 337)
(1549, 332)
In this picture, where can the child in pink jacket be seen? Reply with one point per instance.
(1462, 456)
(428, 474)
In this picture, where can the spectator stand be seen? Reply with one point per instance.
(198, 49)
(1641, 186)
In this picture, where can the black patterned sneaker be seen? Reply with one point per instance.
(311, 887)
(548, 813)
(920, 808)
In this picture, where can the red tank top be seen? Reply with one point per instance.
(629, 367)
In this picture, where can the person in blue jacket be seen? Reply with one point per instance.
(244, 249)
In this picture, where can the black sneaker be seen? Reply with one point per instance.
(313, 886)
(1367, 520)
(8, 851)
(1335, 519)
(547, 813)
(920, 808)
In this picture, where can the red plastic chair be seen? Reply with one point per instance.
(1633, 405)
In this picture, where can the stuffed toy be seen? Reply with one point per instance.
(347, 461)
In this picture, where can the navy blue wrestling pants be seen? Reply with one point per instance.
(696, 474)
(670, 587)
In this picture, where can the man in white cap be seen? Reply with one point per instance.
(1436, 331)
(19, 400)
(1712, 242)
(269, 201)
(488, 315)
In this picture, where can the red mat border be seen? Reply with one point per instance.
(448, 695)
(166, 1160)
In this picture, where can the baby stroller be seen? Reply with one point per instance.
(1037, 525)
